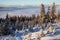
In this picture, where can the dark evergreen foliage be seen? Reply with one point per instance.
(10, 24)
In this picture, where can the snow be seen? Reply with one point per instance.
(35, 35)
(49, 36)
(53, 36)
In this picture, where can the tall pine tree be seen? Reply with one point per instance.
(52, 11)
(42, 14)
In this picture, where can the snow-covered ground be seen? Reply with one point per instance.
(53, 36)
(47, 36)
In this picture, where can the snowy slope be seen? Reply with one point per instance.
(49, 36)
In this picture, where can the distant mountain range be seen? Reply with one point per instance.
(22, 10)
(19, 7)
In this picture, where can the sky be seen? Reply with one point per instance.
(28, 2)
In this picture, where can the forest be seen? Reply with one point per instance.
(11, 23)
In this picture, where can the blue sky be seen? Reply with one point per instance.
(28, 2)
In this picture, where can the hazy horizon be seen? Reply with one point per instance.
(24, 7)
(22, 10)
(28, 2)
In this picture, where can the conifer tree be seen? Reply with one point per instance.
(52, 11)
(58, 15)
(47, 19)
(42, 11)
(42, 14)
(7, 16)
